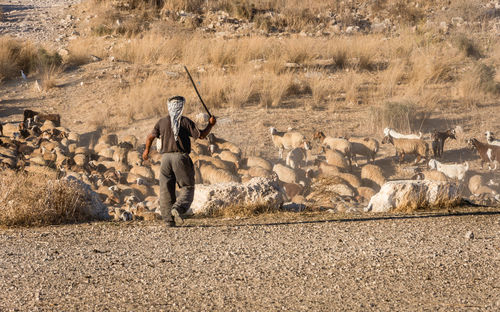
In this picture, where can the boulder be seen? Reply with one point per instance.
(257, 191)
(410, 195)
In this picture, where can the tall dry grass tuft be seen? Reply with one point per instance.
(400, 115)
(29, 199)
(467, 45)
(49, 75)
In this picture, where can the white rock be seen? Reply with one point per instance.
(469, 235)
(95, 207)
(256, 191)
(398, 194)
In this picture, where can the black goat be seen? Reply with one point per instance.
(438, 139)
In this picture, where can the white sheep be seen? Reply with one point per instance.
(228, 156)
(453, 171)
(431, 175)
(491, 139)
(397, 135)
(288, 140)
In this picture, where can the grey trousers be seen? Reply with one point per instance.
(176, 168)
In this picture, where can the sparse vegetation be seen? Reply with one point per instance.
(29, 199)
(240, 210)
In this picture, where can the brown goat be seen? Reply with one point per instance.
(482, 150)
(55, 118)
(438, 139)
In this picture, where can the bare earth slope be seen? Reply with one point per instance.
(405, 263)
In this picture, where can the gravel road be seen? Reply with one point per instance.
(42, 21)
(423, 263)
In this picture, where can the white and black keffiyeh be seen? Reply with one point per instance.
(175, 108)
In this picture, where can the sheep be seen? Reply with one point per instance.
(482, 149)
(130, 139)
(221, 144)
(110, 139)
(475, 182)
(340, 144)
(408, 146)
(213, 175)
(30, 114)
(438, 139)
(431, 175)
(327, 170)
(228, 156)
(397, 135)
(217, 162)
(372, 175)
(365, 192)
(296, 157)
(285, 173)
(335, 158)
(288, 140)
(452, 171)
(259, 172)
(254, 161)
(491, 139)
(199, 149)
(292, 190)
(144, 172)
(367, 147)
(353, 180)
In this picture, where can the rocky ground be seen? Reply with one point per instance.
(419, 262)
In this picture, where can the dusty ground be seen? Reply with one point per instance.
(269, 263)
(420, 262)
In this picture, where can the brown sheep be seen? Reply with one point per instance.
(408, 146)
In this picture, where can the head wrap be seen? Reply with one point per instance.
(175, 108)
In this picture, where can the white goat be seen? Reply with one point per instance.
(453, 171)
(398, 135)
(491, 139)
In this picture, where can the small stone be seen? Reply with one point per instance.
(469, 235)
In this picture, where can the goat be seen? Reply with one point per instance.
(493, 154)
(491, 139)
(408, 146)
(482, 150)
(367, 147)
(41, 117)
(452, 171)
(397, 135)
(438, 139)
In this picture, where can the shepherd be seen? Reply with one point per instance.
(174, 131)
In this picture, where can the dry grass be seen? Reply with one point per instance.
(420, 202)
(17, 55)
(241, 210)
(400, 115)
(39, 199)
(49, 75)
(478, 85)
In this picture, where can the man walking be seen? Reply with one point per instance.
(176, 166)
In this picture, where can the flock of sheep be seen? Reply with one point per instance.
(113, 166)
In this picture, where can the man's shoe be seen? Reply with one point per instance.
(170, 224)
(177, 217)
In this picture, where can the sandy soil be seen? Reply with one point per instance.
(380, 263)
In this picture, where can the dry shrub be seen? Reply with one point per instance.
(433, 66)
(33, 199)
(17, 55)
(152, 48)
(478, 84)
(273, 89)
(406, 12)
(400, 116)
(321, 91)
(147, 98)
(392, 77)
(243, 210)
(81, 50)
(194, 6)
(467, 46)
(49, 75)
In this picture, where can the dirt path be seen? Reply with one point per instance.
(43, 21)
(423, 263)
